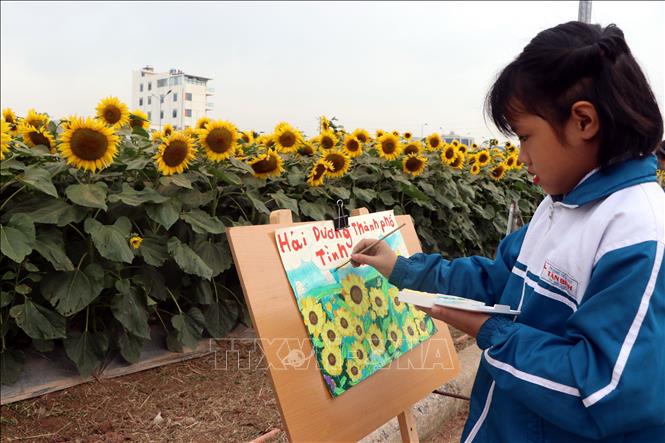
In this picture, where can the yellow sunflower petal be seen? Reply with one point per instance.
(88, 144)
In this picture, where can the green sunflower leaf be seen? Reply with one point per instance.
(111, 240)
(17, 238)
(88, 195)
(69, 292)
(189, 326)
(87, 350)
(37, 321)
(187, 259)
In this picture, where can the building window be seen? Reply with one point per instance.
(188, 112)
(161, 82)
(141, 87)
(149, 101)
(188, 96)
(161, 115)
(175, 113)
(149, 115)
(149, 86)
(140, 101)
(161, 99)
(175, 96)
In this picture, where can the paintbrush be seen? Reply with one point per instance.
(370, 246)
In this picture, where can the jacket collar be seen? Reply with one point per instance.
(600, 183)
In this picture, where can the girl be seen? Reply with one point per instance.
(585, 359)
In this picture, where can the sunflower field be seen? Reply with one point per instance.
(108, 230)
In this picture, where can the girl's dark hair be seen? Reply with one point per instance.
(577, 61)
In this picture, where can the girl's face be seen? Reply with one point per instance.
(555, 165)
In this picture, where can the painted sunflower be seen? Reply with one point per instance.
(388, 146)
(113, 112)
(344, 321)
(331, 357)
(394, 335)
(218, 139)
(88, 144)
(376, 340)
(268, 164)
(379, 302)
(358, 354)
(175, 154)
(414, 164)
(393, 295)
(330, 335)
(313, 315)
(353, 371)
(410, 331)
(355, 294)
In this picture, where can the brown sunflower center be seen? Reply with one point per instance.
(319, 170)
(482, 158)
(337, 161)
(287, 139)
(353, 145)
(356, 295)
(450, 153)
(375, 340)
(313, 318)
(37, 138)
(306, 150)
(326, 142)
(411, 149)
(360, 354)
(362, 138)
(354, 370)
(393, 335)
(112, 114)
(378, 301)
(359, 330)
(434, 142)
(175, 153)
(245, 138)
(266, 165)
(332, 360)
(331, 335)
(219, 140)
(396, 301)
(135, 122)
(496, 172)
(422, 325)
(413, 164)
(410, 330)
(344, 323)
(388, 146)
(88, 144)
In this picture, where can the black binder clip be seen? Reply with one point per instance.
(342, 220)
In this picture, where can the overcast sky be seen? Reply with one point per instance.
(389, 65)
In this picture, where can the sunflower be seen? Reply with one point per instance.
(307, 149)
(33, 136)
(458, 162)
(410, 331)
(471, 159)
(474, 146)
(413, 147)
(88, 144)
(9, 117)
(318, 172)
(434, 142)
(168, 129)
(376, 340)
(219, 140)
(455, 143)
(344, 322)
(353, 371)
(379, 133)
(361, 135)
(156, 136)
(414, 164)
(475, 169)
(267, 164)
(352, 146)
(422, 324)
(313, 315)
(498, 172)
(354, 294)
(483, 158)
(507, 145)
(113, 112)
(202, 123)
(5, 138)
(496, 151)
(379, 302)
(266, 140)
(324, 123)
(510, 162)
(359, 329)
(358, 354)
(511, 149)
(332, 360)
(135, 241)
(330, 334)
(327, 139)
(175, 153)
(463, 148)
(138, 119)
(388, 146)
(35, 119)
(286, 137)
(449, 154)
(396, 133)
(340, 161)
(407, 136)
(394, 335)
(245, 136)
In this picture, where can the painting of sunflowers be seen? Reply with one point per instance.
(354, 318)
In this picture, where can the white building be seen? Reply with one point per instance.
(464, 139)
(171, 97)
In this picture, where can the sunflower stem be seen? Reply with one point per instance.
(10, 197)
(160, 319)
(79, 232)
(176, 301)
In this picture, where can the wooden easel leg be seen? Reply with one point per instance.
(407, 427)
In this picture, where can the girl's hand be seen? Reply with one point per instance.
(465, 321)
(380, 257)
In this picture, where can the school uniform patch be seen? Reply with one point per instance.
(559, 278)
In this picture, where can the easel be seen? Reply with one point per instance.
(308, 411)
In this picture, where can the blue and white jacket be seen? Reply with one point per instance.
(585, 360)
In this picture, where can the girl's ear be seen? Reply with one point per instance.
(584, 119)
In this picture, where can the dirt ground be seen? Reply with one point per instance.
(197, 400)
